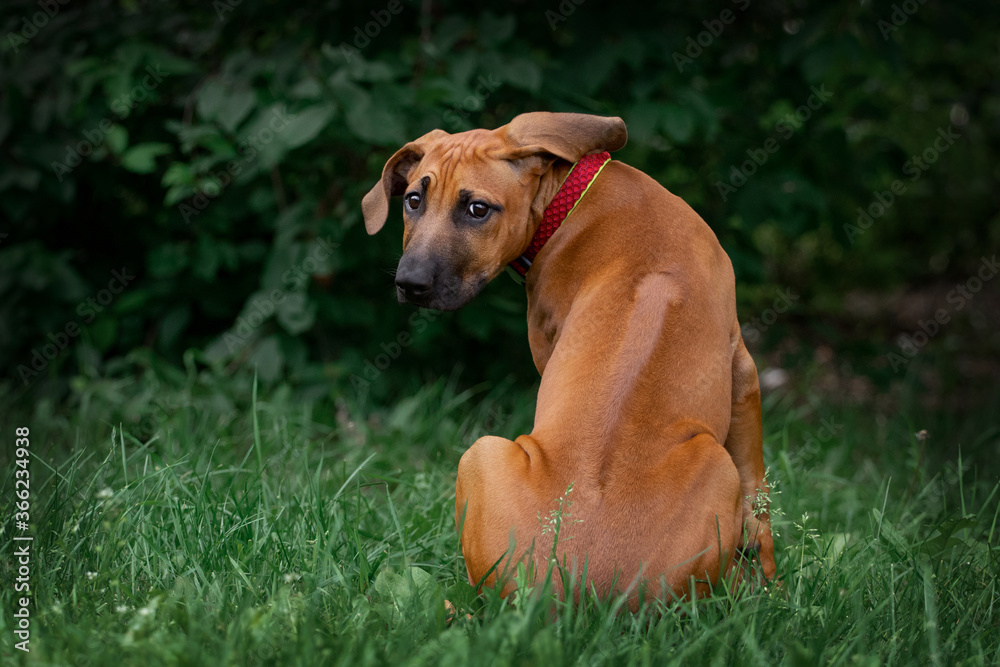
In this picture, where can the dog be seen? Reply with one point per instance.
(644, 468)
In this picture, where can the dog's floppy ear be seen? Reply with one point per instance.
(569, 136)
(375, 205)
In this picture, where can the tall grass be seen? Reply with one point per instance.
(248, 527)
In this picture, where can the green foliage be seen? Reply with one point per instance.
(210, 147)
(190, 519)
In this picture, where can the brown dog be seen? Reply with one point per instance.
(649, 403)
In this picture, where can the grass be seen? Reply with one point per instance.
(189, 519)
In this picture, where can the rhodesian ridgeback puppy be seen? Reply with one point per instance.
(649, 404)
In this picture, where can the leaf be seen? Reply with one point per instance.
(521, 73)
(165, 62)
(141, 158)
(103, 332)
(173, 324)
(117, 139)
(177, 193)
(235, 108)
(642, 120)
(261, 143)
(225, 104)
(167, 260)
(889, 533)
(398, 597)
(371, 72)
(206, 258)
(677, 122)
(268, 359)
(835, 547)
(296, 313)
(402, 416)
(496, 29)
(223, 348)
(26, 179)
(304, 125)
(944, 540)
(178, 173)
(205, 135)
(133, 300)
(374, 124)
(210, 99)
(307, 88)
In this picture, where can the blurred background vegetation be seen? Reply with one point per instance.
(218, 152)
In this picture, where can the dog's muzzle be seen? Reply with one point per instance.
(414, 279)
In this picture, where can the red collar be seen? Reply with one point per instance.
(567, 197)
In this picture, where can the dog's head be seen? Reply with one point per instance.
(472, 201)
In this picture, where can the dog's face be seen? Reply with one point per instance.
(465, 216)
(472, 201)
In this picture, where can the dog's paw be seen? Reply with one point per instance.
(756, 552)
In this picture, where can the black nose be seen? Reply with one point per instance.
(414, 278)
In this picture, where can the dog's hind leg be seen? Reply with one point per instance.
(745, 445)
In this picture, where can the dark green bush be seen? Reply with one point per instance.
(228, 145)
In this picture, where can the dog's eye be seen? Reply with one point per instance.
(478, 210)
(413, 201)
